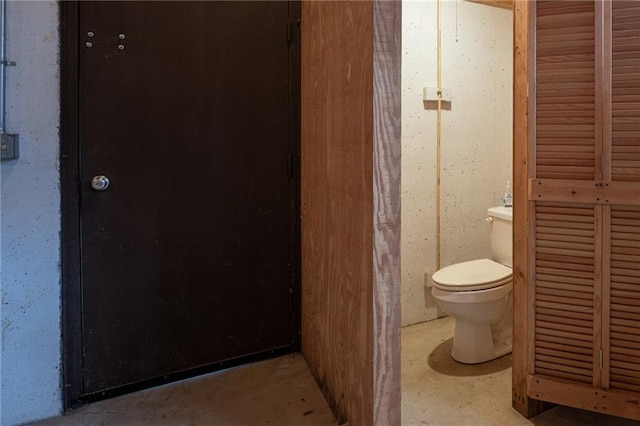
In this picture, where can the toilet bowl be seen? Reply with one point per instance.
(478, 294)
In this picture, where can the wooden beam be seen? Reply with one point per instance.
(504, 4)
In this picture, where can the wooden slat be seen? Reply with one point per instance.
(631, 332)
(564, 277)
(566, 262)
(563, 300)
(552, 371)
(564, 319)
(626, 386)
(577, 346)
(549, 314)
(566, 365)
(559, 345)
(564, 307)
(622, 351)
(620, 343)
(630, 369)
(585, 332)
(561, 281)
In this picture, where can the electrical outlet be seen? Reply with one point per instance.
(430, 94)
(9, 148)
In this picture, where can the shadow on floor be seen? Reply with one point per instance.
(440, 360)
(567, 416)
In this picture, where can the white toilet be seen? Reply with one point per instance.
(478, 294)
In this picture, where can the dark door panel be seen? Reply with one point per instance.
(185, 107)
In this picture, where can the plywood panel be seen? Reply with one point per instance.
(337, 204)
(350, 206)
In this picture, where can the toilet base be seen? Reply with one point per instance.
(474, 344)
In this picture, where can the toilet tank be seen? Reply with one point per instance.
(501, 219)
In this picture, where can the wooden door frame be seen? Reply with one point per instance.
(522, 169)
(71, 261)
(70, 206)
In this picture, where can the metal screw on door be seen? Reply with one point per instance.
(100, 183)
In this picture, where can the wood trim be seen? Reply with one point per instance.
(585, 397)
(520, 209)
(531, 208)
(606, 296)
(530, 87)
(503, 4)
(524, 42)
(294, 151)
(597, 295)
(599, 95)
(531, 289)
(606, 91)
(580, 191)
(70, 207)
(387, 92)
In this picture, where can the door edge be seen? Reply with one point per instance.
(70, 207)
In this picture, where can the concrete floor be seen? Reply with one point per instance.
(277, 392)
(436, 390)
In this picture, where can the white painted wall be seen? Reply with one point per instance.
(30, 370)
(477, 57)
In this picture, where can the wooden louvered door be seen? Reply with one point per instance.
(584, 205)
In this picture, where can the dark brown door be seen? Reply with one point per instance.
(185, 107)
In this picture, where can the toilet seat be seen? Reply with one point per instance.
(481, 274)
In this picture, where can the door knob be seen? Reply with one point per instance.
(100, 183)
